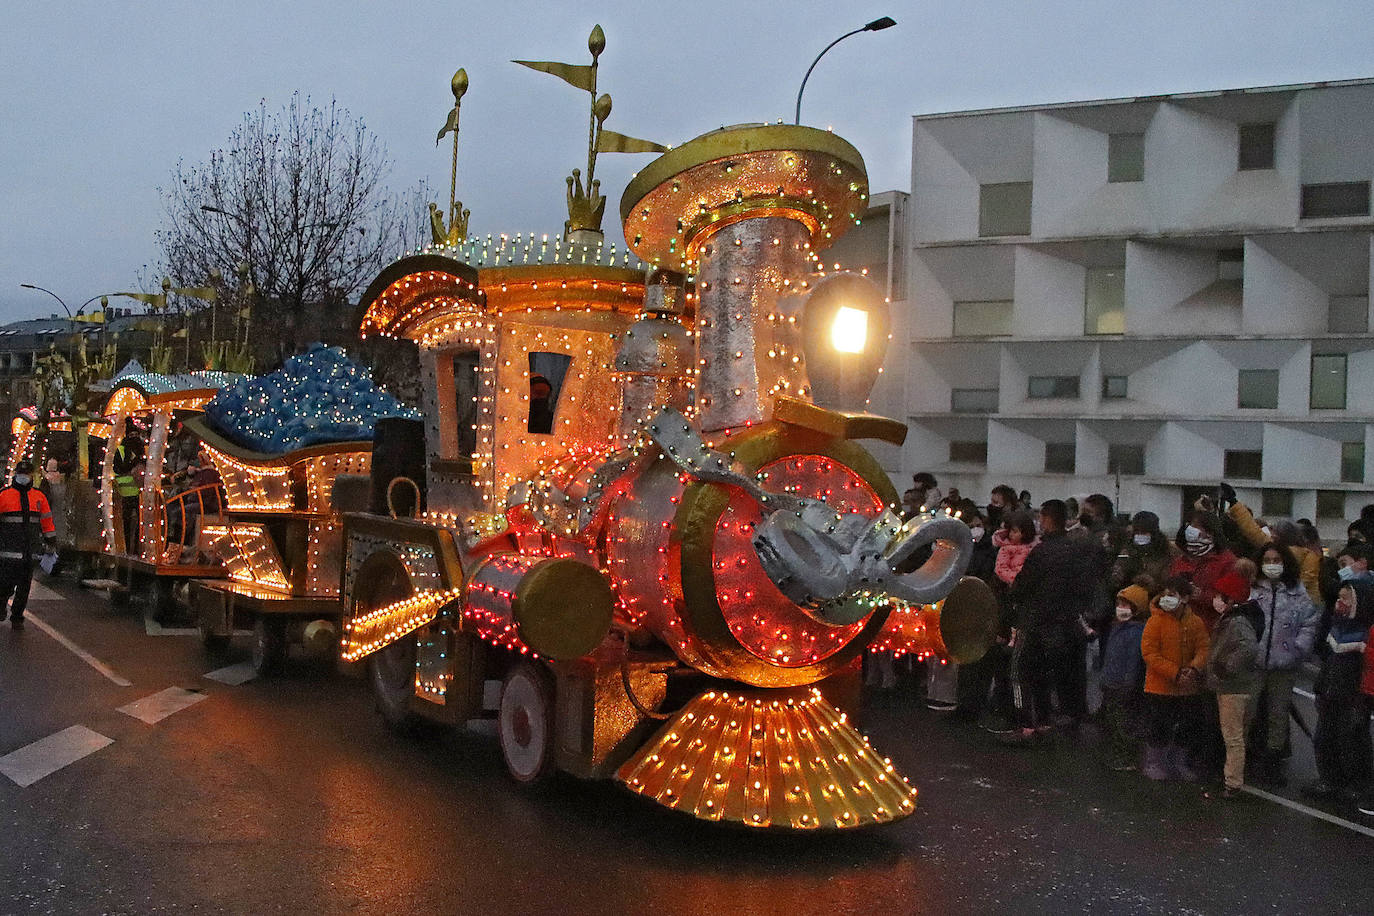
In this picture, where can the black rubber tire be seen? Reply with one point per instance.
(269, 645)
(391, 673)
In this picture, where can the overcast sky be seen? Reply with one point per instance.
(101, 99)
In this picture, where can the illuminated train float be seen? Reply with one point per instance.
(643, 548)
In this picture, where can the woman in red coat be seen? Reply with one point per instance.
(1204, 559)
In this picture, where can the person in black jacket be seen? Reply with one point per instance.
(1052, 593)
(1341, 742)
(976, 679)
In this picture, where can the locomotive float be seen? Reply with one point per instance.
(638, 543)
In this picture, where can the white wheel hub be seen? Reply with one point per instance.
(523, 724)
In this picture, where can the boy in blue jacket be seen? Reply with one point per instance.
(1123, 677)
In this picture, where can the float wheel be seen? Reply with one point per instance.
(391, 670)
(269, 645)
(524, 724)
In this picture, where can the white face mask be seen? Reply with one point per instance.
(22, 480)
(977, 532)
(1169, 603)
(1124, 614)
(1141, 540)
(1272, 570)
(1192, 535)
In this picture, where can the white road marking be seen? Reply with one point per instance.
(40, 592)
(1310, 812)
(153, 628)
(233, 675)
(76, 650)
(158, 706)
(34, 761)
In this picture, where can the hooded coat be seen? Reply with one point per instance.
(1347, 641)
(1170, 644)
(1232, 662)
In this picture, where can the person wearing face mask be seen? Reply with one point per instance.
(1123, 677)
(24, 516)
(1231, 672)
(1341, 741)
(1174, 646)
(1203, 558)
(1285, 533)
(1146, 552)
(1290, 629)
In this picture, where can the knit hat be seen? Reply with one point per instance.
(1233, 586)
(1136, 597)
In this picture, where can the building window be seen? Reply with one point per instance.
(1243, 463)
(1125, 459)
(1004, 208)
(1052, 386)
(1340, 198)
(1328, 381)
(1276, 503)
(1348, 315)
(968, 452)
(1113, 387)
(986, 318)
(1257, 389)
(1104, 306)
(1330, 504)
(1256, 147)
(1352, 462)
(1059, 458)
(1231, 264)
(1125, 157)
(973, 400)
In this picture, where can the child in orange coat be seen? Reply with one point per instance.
(1174, 647)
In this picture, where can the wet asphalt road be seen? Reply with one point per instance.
(288, 795)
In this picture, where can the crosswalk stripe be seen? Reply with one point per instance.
(158, 706)
(76, 650)
(46, 756)
(233, 675)
(40, 592)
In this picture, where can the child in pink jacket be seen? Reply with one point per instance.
(1014, 541)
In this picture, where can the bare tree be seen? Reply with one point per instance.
(298, 196)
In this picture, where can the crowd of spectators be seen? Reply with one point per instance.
(1198, 640)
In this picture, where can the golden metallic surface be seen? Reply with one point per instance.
(694, 536)
(768, 759)
(567, 286)
(563, 608)
(968, 620)
(838, 423)
(412, 289)
(811, 173)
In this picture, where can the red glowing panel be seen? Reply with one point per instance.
(759, 616)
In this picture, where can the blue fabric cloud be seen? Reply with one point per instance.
(317, 397)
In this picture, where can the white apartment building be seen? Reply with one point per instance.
(1138, 297)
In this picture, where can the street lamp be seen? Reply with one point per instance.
(59, 299)
(877, 25)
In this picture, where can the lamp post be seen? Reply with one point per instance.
(877, 25)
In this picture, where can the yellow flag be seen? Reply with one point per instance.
(608, 141)
(180, 334)
(583, 76)
(90, 318)
(208, 293)
(156, 300)
(450, 125)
